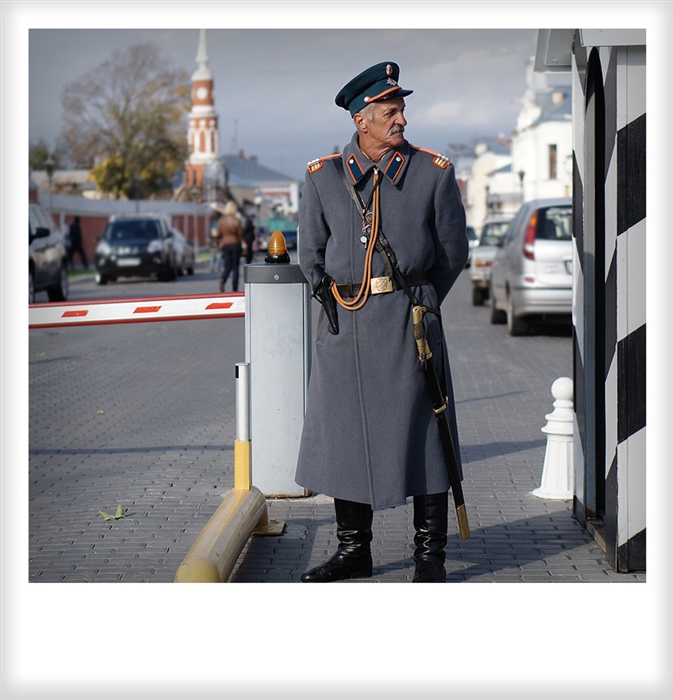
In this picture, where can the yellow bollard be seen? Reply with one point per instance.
(213, 556)
(241, 514)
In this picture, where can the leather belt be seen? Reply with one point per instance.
(413, 280)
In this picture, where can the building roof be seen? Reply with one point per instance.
(248, 170)
(552, 110)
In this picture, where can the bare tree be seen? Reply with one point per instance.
(40, 152)
(125, 119)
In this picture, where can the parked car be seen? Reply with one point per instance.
(264, 236)
(492, 233)
(139, 245)
(531, 276)
(290, 236)
(47, 256)
(473, 242)
(184, 253)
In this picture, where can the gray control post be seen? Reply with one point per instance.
(277, 346)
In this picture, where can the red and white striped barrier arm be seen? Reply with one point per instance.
(177, 308)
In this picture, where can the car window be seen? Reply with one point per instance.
(34, 218)
(125, 230)
(493, 233)
(554, 224)
(514, 226)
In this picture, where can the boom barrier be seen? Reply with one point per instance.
(142, 310)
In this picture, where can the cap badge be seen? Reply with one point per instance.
(389, 69)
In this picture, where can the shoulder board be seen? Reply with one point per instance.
(315, 165)
(438, 159)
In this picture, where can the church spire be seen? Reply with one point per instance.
(203, 132)
(203, 72)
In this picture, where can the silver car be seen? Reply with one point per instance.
(492, 233)
(531, 276)
(184, 253)
(47, 257)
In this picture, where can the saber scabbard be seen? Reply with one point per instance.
(439, 404)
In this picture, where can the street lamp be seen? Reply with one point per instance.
(136, 191)
(195, 193)
(49, 166)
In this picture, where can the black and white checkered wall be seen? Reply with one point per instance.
(609, 306)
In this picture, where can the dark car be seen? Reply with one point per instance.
(47, 257)
(264, 236)
(290, 236)
(136, 246)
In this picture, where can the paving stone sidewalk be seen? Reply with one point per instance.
(110, 425)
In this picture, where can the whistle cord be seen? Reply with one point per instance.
(365, 289)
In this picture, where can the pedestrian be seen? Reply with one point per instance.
(370, 438)
(65, 234)
(214, 244)
(76, 243)
(249, 238)
(231, 235)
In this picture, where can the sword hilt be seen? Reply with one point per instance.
(417, 314)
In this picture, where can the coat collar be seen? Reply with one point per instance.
(357, 165)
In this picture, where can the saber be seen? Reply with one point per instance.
(439, 404)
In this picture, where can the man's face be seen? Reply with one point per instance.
(387, 128)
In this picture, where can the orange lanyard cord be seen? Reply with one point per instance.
(365, 289)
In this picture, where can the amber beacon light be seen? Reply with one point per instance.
(277, 252)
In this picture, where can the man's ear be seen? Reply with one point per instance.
(360, 123)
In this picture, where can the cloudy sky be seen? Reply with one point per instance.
(275, 88)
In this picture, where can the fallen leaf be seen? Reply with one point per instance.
(119, 514)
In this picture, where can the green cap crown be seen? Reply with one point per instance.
(376, 83)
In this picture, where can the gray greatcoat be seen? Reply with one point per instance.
(370, 434)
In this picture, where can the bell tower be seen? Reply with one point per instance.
(202, 134)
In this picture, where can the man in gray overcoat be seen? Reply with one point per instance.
(370, 437)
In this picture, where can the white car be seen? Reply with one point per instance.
(531, 276)
(492, 233)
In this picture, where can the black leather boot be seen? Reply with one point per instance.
(353, 558)
(430, 522)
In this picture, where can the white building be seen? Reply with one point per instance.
(542, 142)
(535, 161)
(484, 182)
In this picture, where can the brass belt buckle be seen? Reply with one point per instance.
(381, 285)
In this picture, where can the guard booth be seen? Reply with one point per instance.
(609, 230)
(278, 349)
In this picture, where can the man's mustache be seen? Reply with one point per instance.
(396, 130)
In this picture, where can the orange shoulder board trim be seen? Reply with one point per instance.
(315, 165)
(439, 160)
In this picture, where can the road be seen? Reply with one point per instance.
(143, 416)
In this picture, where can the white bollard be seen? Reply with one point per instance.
(557, 473)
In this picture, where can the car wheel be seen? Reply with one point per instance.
(59, 292)
(31, 286)
(497, 316)
(477, 296)
(100, 278)
(515, 326)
